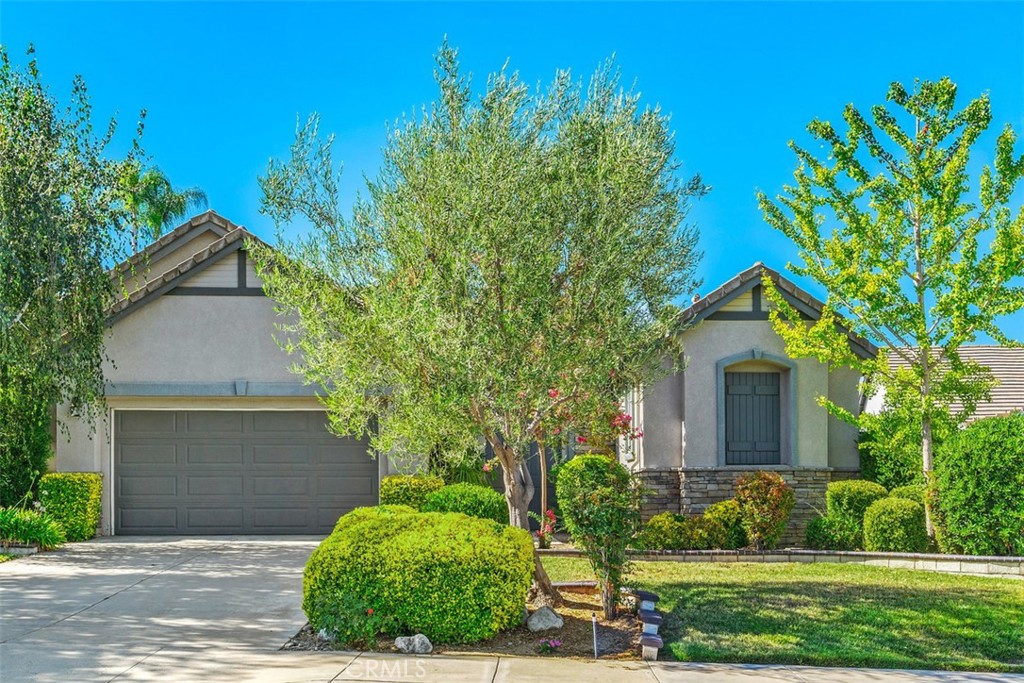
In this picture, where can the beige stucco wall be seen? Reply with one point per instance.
(820, 440)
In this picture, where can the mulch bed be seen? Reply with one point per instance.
(617, 639)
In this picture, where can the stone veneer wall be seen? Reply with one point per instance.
(691, 490)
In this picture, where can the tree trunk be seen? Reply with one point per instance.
(518, 494)
(926, 462)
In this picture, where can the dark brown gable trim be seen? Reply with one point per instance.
(216, 291)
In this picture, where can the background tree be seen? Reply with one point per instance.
(153, 203)
(59, 218)
(515, 257)
(885, 224)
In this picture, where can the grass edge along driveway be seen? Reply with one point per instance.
(830, 614)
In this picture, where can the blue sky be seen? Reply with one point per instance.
(224, 82)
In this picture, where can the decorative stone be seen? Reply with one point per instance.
(651, 621)
(324, 634)
(544, 619)
(418, 644)
(649, 647)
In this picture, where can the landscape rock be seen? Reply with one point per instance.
(544, 619)
(418, 644)
(326, 635)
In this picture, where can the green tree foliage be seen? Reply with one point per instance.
(601, 507)
(59, 220)
(515, 260)
(884, 222)
(153, 203)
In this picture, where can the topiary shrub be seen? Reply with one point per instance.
(895, 525)
(408, 489)
(914, 492)
(723, 525)
(449, 576)
(469, 499)
(848, 499)
(600, 504)
(833, 533)
(979, 480)
(29, 527)
(73, 500)
(765, 501)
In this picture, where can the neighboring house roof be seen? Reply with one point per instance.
(808, 306)
(230, 239)
(1007, 367)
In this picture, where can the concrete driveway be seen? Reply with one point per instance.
(219, 609)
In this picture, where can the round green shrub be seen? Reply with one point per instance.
(28, 527)
(914, 492)
(723, 524)
(73, 500)
(766, 502)
(408, 489)
(600, 504)
(449, 576)
(979, 488)
(833, 533)
(469, 499)
(895, 525)
(848, 499)
(668, 531)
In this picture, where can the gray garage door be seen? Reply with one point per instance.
(235, 472)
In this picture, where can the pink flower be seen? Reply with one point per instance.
(487, 467)
(581, 439)
(369, 612)
(553, 393)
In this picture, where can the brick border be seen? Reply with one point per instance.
(1004, 567)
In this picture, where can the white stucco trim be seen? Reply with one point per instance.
(788, 454)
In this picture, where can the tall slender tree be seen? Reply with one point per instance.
(913, 254)
(515, 259)
(153, 203)
(60, 228)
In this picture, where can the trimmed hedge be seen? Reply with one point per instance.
(914, 492)
(28, 527)
(766, 502)
(833, 533)
(452, 577)
(408, 489)
(895, 525)
(723, 523)
(73, 500)
(979, 487)
(848, 499)
(469, 499)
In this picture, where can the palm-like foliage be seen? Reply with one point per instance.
(153, 202)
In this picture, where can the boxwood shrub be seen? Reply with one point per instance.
(979, 480)
(723, 523)
(914, 492)
(469, 499)
(73, 500)
(833, 533)
(848, 499)
(408, 489)
(895, 525)
(449, 576)
(27, 527)
(669, 531)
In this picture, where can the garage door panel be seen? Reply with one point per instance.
(280, 454)
(275, 473)
(280, 486)
(206, 423)
(152, 485)
(214, 454)
(147, 454)
(215, 486)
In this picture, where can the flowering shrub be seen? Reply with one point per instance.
(547, 527)
(549, 646)
(765, 501)
(600, 503)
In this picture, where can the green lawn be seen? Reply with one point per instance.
(830, 614)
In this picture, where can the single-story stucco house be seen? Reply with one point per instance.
(209, 432)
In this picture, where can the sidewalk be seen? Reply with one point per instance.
(324, 667)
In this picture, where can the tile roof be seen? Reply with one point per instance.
(749, 278)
